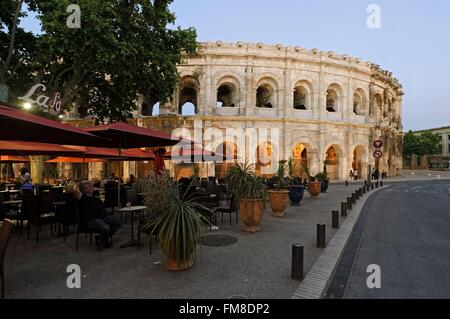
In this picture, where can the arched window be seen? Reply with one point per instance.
(357, 104)
(226, 95)
(378, 105)
(188, 96)
(300, 98)
(188, 109)
(332, 100)
(156, 109)
(264, 96)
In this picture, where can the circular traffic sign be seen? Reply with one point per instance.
(378, 144)
(378, 154)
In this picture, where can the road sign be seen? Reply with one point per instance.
(378, 144)
(378, 154)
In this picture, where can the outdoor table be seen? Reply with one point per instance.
(132, 210)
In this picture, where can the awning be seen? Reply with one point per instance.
(16, 125)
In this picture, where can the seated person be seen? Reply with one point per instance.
(93, 214)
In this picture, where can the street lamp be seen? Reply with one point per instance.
(27, 106)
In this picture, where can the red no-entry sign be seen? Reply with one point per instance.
(378, 154)
(378, 144)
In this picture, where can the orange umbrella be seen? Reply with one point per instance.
(14, 159)
(75, 160)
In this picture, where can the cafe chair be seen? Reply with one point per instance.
(5, 235)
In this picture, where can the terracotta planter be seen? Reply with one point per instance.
(279, 201)
(314, 189)
(251, 212)
(171, 264)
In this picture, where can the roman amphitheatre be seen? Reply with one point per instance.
(328, 107)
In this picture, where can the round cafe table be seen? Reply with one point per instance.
(132, 210)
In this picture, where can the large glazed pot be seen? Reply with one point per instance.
(251, 212)
(324, 186)
(279, 201)
(296, 193)
(314, 189)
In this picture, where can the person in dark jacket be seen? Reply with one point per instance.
(93, 214)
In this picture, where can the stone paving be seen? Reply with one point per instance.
(256, 266)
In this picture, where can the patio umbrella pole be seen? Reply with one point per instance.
(120, 176)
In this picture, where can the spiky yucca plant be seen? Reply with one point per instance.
(179, 222)
(244, 184)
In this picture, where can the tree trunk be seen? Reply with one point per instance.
(37, 169)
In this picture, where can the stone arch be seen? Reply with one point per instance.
(334, 162)
(188, 94)
(303, 95)
(267, 93)
(226, 148)
(360, 102)
(228, 92)
(378, 105)
(360, 161)
(303, 155)
(333, 98)
(265, 159)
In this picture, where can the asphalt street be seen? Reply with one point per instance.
(405, 230)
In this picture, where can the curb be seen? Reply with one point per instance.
(316, 281)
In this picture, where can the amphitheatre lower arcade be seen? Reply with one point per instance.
(328, 109)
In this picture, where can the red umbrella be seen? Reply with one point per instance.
(20, 148)
(17, 125)
(124, 135)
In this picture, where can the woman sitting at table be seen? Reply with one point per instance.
(25, 179)
(93, 214)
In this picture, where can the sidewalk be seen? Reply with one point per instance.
(256, 266)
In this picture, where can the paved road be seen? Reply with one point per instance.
(406, 231)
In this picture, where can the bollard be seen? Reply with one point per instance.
(356, 197)
(343, 209)
(364, 189)
(361, 192)
(353, 198)
(381, 184)
(377, 184)
(335, 219)
(297, 262)
(321, 231)
(346, 183)
(349, 203)
(372, 186)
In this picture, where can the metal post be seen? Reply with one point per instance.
(335, 219)
(297, 262)
(346, 183)
(349, 203)
(377, 184)
(343, 209)
(321, 231)
(364, 189)
(372, 186)
(381, 184)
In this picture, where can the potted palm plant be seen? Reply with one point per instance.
(251, 193)
(279, 196)
(296, 189)
(177, 221)
(323, 179)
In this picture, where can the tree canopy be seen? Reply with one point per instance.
(123, 48)
(427, 143)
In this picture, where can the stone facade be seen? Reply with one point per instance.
(329, 108)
